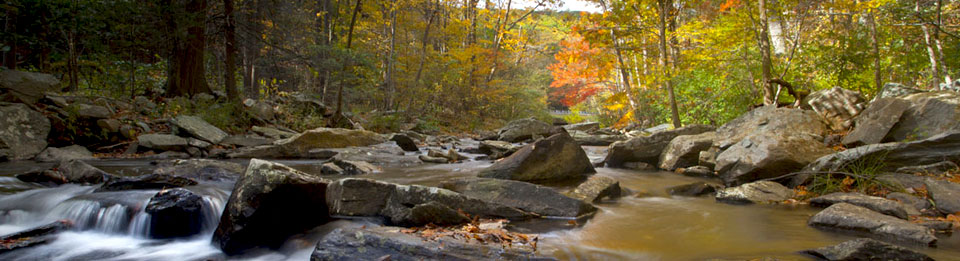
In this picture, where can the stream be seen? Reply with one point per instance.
(649, 226)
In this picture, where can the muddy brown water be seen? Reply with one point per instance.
(652, 226)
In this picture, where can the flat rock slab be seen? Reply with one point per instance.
(851, 218)
(756, 192)
(389, 243)
(866, 249)
(32, 237)
(876, 121)
(529, 197)
(945, 194)
(199, 128)
(878, 204)
(596, 188)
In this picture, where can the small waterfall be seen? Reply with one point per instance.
(140, 226)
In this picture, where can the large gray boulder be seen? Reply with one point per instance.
(878, 204)
(647, 149)
(163, 142)
(889, 156)
(684, 151)
(270, 203)
(197, 127)
(23, 131)
(557, 158)
(591, 139)
(90, 112)
(837, 106)
(945, 194)
(931, 113)
(406, 205)
(393, 244)
(755, 193)
(866, 249)
(528, 197)
(25, 87)
(764, 155)
(771, 120)
(523, 129)
(851, 218)
(72, 152)
(873, 124)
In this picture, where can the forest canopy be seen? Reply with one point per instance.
(472, 64)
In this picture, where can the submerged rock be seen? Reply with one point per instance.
(73, 152)
(523, 129)
(557, 158)
(847, 217)
(151, 181)
(878, 204)
(391, 243)
(23, 131)
(528, 197)
(866, 249)
(199, 128)
(175, 213)
(756, 192)
(695, 189)
(270, 203)
(648, 148)
(33, 237)
(596, 188)
(396, 203)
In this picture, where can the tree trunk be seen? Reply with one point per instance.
(229, 78)
(423, 44)
(10, 25)
(877, 76)
(931, 53)
(664, 6)
(338, 118)
(186, 70)
(389, 81)
(939, 45)
(765, 56)
(498, 37)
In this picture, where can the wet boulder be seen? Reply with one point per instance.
(525, 196)
(163, 142)
(25, 87)
(197, 127)
(596, 188)
(851, 218)
(755, 193)
(698, 171)
(149, 181)
(405, 142)
(837, 106)
(270, 203)
(931, 113)
(866, 249)
(523, 129)
(944, 146)
(23, 131)
(684, 151)
(695, 189)
(945, 194)
(873, 124)
(392, 243)
(878, 204)
(73, 152)
(557, 158)
(33, 237)
(330, 168)
(647, 149)
(765, 155)
(398, 204)
(175, 213)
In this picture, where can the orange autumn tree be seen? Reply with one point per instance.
(580, 71)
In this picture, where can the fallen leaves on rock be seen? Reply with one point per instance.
(481, 231)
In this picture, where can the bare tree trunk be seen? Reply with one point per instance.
(936, 40)
(389, 81)
(497, 39)
(931, 53)
(338, 118)
(423, 43)
(877, 76)
(664, 6)
(229, 78)
(766, 60)
(186, 70)
(73, 57)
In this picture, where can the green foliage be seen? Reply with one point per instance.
(859, 175)
(228, 116)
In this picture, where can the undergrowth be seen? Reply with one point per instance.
(860, 175)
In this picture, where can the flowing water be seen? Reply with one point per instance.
(650, 226)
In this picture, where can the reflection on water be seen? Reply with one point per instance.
(652, 226)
